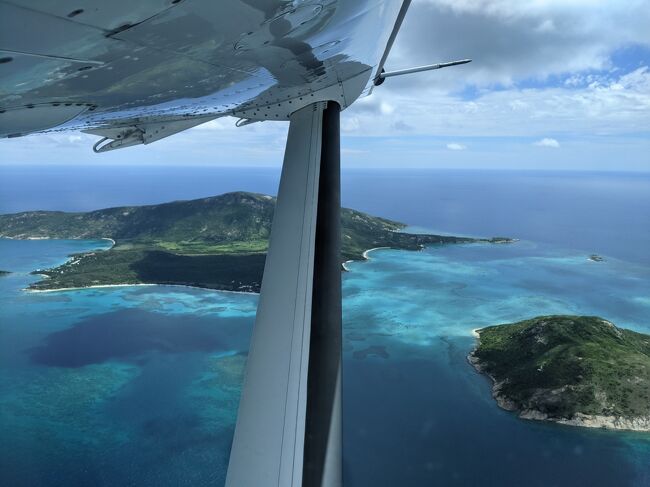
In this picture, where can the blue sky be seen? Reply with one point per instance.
(555, 84)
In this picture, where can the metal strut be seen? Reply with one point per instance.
(288, 430)
(380, 72)
(323, 430)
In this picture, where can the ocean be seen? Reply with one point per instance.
(139, 385)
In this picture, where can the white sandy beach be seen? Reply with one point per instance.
(99, 286)
(85, 287)
(365, 254)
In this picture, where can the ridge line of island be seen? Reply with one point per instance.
(215, 243)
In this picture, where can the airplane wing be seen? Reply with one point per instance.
(135, 72)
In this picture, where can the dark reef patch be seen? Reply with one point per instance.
(374, 350)
(129, 334)
(166, 428)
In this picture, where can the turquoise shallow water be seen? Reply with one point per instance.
(133, 385)
(139, 385)
(422, 416)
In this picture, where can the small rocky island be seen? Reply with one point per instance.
(218, 242)
(4, 273)
(575, 370)
(596, 258)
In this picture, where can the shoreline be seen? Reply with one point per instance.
(613, 423)
(364, 256)
(366, 252)
(96, 286)
(100, 286)
(70, 258)
(50, 238)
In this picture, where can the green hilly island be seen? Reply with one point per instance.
(576, 370)
(218, 242)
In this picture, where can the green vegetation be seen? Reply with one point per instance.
(562, 367)
(218, 242)
(232, 272)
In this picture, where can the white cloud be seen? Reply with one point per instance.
(350, 124)
(547, 142)
(455, 146)
(226, 123)
(513, 40)
(612, 104)
(386, 108)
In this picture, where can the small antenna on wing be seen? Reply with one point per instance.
(429, 67)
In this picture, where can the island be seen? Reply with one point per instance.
(4, 273)
(218, 242)
(574, 370)
(596, 258)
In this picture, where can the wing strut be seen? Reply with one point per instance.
(323, 432)
(288, 430)
(393, 35)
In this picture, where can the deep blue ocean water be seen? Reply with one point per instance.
(139, 385)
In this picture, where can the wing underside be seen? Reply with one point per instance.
(104, 65)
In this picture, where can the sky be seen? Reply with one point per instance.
(554, 84)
